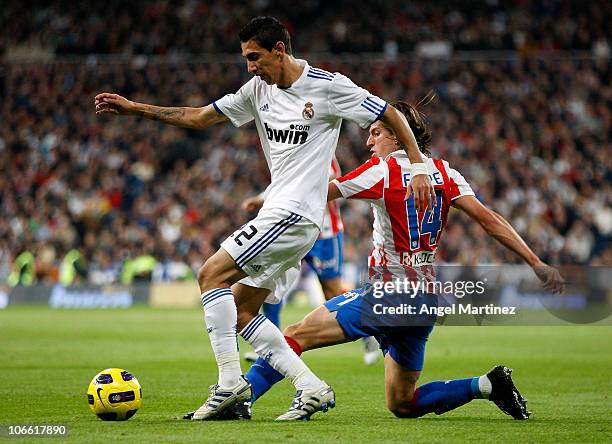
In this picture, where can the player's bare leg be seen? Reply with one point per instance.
(318, 329)
(400, 385)
(334, 287)
(248, 302)
(219, 270)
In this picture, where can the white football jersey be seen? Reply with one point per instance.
(299, 127)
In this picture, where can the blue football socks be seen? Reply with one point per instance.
(442, 396)
(262, 377)
(272, 312)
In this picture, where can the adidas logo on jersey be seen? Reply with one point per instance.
(264, 108)
(296, 134)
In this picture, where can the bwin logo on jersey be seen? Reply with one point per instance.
(296, 134)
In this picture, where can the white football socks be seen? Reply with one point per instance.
(484, 386)
(270, 344)
(221, 316)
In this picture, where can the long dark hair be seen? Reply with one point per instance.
(416, 120)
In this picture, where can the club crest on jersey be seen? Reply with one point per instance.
(308, 112)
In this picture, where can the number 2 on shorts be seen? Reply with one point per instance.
(246, 234)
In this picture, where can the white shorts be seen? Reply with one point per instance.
(270, 249)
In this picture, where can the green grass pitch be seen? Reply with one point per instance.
(48, 357)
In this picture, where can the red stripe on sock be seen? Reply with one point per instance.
(294, 345)
(415, 398)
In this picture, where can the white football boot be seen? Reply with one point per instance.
(307, 403)
(220, 399)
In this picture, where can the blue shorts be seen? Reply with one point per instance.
(326, 257)
(405, 343)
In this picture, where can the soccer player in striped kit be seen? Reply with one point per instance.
(405, 240)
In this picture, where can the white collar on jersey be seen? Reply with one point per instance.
(302, 76)
(401, 153)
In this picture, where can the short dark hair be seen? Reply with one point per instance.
(266, 31)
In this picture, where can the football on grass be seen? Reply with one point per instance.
(114, 394)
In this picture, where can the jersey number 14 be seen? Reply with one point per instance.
(432, 222)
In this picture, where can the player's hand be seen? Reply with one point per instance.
(550, 277)
(252, 204)
(424, 194)
(108, 103)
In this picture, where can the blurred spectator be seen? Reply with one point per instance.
(23, 270)
(192, 27)
(579, 242)
(73, 268)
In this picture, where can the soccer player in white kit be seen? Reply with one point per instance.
(326, 256)
(298, 111)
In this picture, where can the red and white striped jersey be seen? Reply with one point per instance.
(332, 223)
(405, 241)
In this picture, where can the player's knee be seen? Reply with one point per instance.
(208, 275)
(292, 330)
(400, 402)
(203, 277)
(403, 410)
(295, 332)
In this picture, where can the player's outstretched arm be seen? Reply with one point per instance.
(420, 185)
(499, 228)
(185, 117)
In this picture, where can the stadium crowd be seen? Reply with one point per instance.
(188, 26)
(531, 134)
